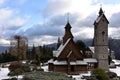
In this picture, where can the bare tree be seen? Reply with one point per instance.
(18, 46)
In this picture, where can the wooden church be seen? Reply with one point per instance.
(69, 59)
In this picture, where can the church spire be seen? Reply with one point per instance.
(68, 26)
(68, 33)
(100, 11)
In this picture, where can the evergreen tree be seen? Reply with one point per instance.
(33, 53)
(59, 42)
(81, 46)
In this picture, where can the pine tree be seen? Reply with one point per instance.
(81, 46)
(59, 42)
(33, 53)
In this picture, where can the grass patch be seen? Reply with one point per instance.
(46, 76)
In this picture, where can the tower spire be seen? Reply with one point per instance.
(68, 33)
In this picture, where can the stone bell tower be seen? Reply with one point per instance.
(101, 40)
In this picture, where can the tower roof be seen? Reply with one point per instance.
(101, 15)
(68, 25)
(101, 12)
(68, 33)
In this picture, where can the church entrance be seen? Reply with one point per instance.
(72, 68)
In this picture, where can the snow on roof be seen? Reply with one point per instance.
(69, 53)
(92, 49)
(78, 62)
(81, 63)
(60, 49)
(50, 61)
(56, 51)
(56, 62)
(92, 60)
(98, 19)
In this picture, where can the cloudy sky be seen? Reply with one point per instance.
(43, 21)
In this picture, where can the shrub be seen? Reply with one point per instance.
(100, 74)
(16, 72)
(14, 65)
(15, 69)
(26, 68)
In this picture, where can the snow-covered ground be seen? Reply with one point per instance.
(116, 70)
(5, 71)
(116, 62)
(78, 77)
(45, 68)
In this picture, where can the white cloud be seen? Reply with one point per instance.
(5, 13)
(4, 42)
(2, 1)
(114, 32)
(9, 18)
(17, 22)
(84, 33)
(82, 15)
(83, 7)
(42, 40)
(56, 7)
(82, 12)
(10, 22)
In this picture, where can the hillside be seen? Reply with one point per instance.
(3, 48)
(114, 45)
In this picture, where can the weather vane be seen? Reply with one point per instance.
(68, 16)
(100, 5)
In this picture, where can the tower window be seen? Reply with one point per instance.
(103, 20)
(103, 33)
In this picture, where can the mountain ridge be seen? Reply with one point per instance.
(114, 44)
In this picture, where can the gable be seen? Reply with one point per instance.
(67, 49)
(99, 18)
(60, 49)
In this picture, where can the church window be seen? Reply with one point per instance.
(103, 33)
